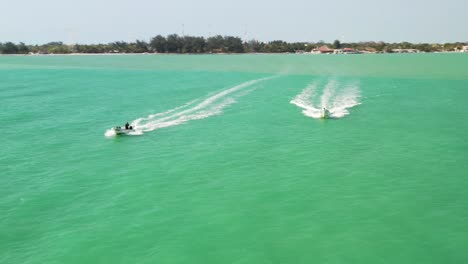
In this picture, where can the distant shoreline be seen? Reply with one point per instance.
(175, 44)
(199, 54)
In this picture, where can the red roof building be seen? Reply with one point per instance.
(325, 49)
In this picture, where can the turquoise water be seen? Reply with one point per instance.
(230, 162)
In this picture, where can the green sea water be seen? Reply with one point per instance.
(230, 162)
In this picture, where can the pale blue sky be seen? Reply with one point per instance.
(102, 21)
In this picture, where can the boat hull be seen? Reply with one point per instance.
(122, 131)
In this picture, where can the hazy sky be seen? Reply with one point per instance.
(102, 21)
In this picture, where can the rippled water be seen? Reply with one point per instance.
(230, 162)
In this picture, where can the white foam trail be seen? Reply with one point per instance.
(334, 98)
(136, 121)
(328, 93)
(345, 100)
(212, 105)
(303, 99)
(109, 133)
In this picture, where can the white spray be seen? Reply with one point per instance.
(337, 99)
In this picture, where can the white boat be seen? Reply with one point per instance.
(325, 113)
(122, 131)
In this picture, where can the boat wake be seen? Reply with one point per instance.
(336, 98)
(194, 110)
(110, 133)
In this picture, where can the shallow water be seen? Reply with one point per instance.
(230, 163)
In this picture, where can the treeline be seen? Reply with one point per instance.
(217, 44)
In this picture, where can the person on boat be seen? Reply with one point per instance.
(126, 125)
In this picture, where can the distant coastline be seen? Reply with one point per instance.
(214, 54)
(174, 44)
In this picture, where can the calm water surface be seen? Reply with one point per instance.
(230, 162)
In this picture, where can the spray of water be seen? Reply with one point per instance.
(193, 110)
(335, 97)
(109, 133)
